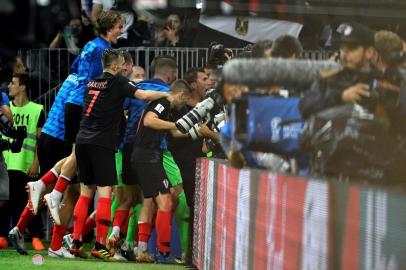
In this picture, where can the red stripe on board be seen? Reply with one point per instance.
(221, 208)
(351, 252)
(279, 222)
(296, 191)
(230, 217)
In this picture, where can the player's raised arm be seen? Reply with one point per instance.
(149, 95)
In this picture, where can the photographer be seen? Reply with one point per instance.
(338, 87)
(390, 57)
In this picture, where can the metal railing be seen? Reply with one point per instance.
(50, 67)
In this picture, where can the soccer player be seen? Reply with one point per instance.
(164, 70)
(109, 26)
(96, 143)
(147, 161)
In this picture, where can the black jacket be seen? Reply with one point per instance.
(326, 92)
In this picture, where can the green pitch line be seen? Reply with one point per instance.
(11, 260)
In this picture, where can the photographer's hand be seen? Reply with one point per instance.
(355, 93)
(172, 35)
(33, 170)
(208, 133)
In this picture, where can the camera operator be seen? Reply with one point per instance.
(338, 87)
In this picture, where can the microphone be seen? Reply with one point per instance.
(278, 71)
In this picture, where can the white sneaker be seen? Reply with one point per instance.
(35, 193)
(53, 207)
(60, 253)
(119, 257)
(17, 240)
(67, 242)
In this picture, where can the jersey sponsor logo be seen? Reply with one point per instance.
(159, 108)
(98, 85)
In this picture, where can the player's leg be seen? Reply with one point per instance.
(181, 210)
(87, 190)
(67, 206)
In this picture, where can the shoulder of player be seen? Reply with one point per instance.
(163, 101)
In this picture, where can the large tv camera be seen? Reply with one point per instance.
(16, 135)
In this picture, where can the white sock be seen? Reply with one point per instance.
(142, 247)
(116, 230)
(56, 196)
(39, 185)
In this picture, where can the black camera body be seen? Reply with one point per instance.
(16, 134)
(217, 55)
(384, 88)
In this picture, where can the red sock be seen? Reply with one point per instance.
(79, 216)
(25, 218)
(49, 177)
(144, 231)
(163, 225)
(124, 226)
(103, 220)
(57, 235)
(62, 183)
(89, 225)
(120, 218)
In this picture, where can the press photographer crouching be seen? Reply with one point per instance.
(356, 113)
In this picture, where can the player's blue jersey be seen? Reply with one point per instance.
(90, 67)
(136, 106)
(55, 123)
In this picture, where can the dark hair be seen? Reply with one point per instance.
(286, 46)
(191, 75)
(180, 86)
(162, 64)
(106, 21)
(127, 56)
(259, 48)
(24, 79)
(110, 56)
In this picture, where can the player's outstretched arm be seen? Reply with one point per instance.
(152, 120)
(149, 95)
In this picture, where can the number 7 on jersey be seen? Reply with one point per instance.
(95, 95)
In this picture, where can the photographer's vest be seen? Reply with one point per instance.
(27, 116)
